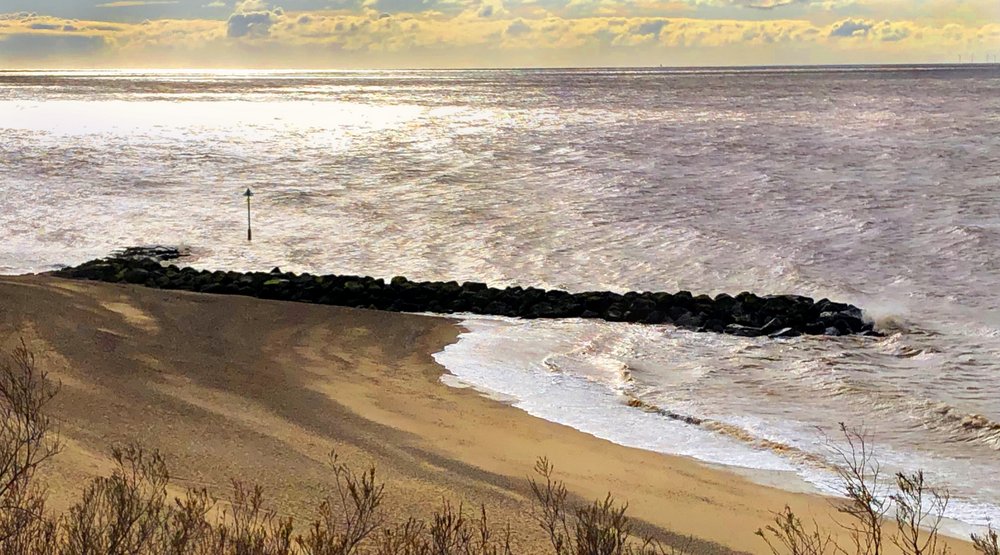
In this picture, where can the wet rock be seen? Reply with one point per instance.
(155, 253)
(654, 317)
(689, 320)
(136, 275)
(745, 314)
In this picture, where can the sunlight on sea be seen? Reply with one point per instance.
(876, 188)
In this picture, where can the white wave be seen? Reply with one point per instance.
(512, 360)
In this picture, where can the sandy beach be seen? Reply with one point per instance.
(239, 387)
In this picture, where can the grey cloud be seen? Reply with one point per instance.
(887, 32)
(486, 11)
(650, 27)
(256, 24)
(517, 28)
(851, 28)
(44, 26)
(252, 19)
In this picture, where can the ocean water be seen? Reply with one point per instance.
(874, 186)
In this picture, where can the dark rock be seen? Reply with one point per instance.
(615, 313)
(156, 253)
(212, 288)
(715, 325)
(689, 320)
(136, 275)
(654, 317)
(474, 286)
(745, 314)
(676, 313)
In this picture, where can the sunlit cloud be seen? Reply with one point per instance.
(482, 33)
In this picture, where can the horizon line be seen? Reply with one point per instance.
(889, 65)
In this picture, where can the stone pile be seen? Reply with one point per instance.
(745, 314)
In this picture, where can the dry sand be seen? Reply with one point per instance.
(262, 390)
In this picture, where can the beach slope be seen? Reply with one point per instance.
(238, 387)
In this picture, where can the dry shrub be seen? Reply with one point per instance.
(787, 534)
(26, 443)
(988, 544)
(350, 518)
(124, 513)
(867, 500)
(918, 510)
(131, 513)
(601, 528)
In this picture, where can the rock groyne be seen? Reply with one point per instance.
(745, 314)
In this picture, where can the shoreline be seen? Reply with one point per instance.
(231, 386)
(600, 409)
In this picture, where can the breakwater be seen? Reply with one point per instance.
(745, 314)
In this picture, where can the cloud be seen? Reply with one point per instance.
(650, 27)
(247, 6)
(768, 4)
(252, 18)
(888, 32)
(517, 28)
(851, 28)
(136, 3)
(215, 4)
(254, 24)
(455, 33)
(16, 16)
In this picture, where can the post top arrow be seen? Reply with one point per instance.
(249, 193)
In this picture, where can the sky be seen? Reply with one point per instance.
(355, 34)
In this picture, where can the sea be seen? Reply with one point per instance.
(877, 186)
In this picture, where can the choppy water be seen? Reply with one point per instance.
(877, 187)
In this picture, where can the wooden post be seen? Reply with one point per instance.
(248, 194)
